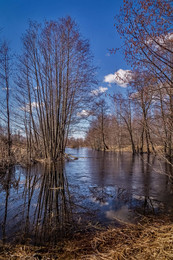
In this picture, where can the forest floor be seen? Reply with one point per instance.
(151, 240)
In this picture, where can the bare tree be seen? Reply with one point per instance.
(97, 133)
(5, 81)
(54, 84)
(124, 110)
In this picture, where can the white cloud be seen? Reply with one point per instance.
(34, 104)
(99, 91)
(6, 88)
(26, 108)
(110, 78)
(120, 77)
(83, 113)
(135, 95)
(160, 41)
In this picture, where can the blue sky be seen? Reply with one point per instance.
(95, 19)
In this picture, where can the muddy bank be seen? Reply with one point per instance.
(150, 240)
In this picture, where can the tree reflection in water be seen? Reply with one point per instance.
(53, 212)
(7, 181)
(125, 203)
(38, 205)
(45, 212)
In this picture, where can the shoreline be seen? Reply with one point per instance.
(19, 156)
(150, 240)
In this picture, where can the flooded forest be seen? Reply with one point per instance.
(85, 174)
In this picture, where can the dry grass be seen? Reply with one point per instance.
(18, 154)
(152, 240)
(143, 243)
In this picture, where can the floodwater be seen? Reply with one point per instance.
(47, 202)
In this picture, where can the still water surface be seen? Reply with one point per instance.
(46, 202)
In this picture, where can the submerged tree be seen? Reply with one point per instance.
(146, 29)
(56, 77)
(124, 110)
(97, 133)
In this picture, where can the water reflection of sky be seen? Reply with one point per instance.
(99, 187)
(138, 177)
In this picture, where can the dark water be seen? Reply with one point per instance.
(47, 202)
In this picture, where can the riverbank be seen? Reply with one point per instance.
(159, 150)
(20, 156)
(150, 240)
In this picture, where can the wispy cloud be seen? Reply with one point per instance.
(120, 77)
(100, 90)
